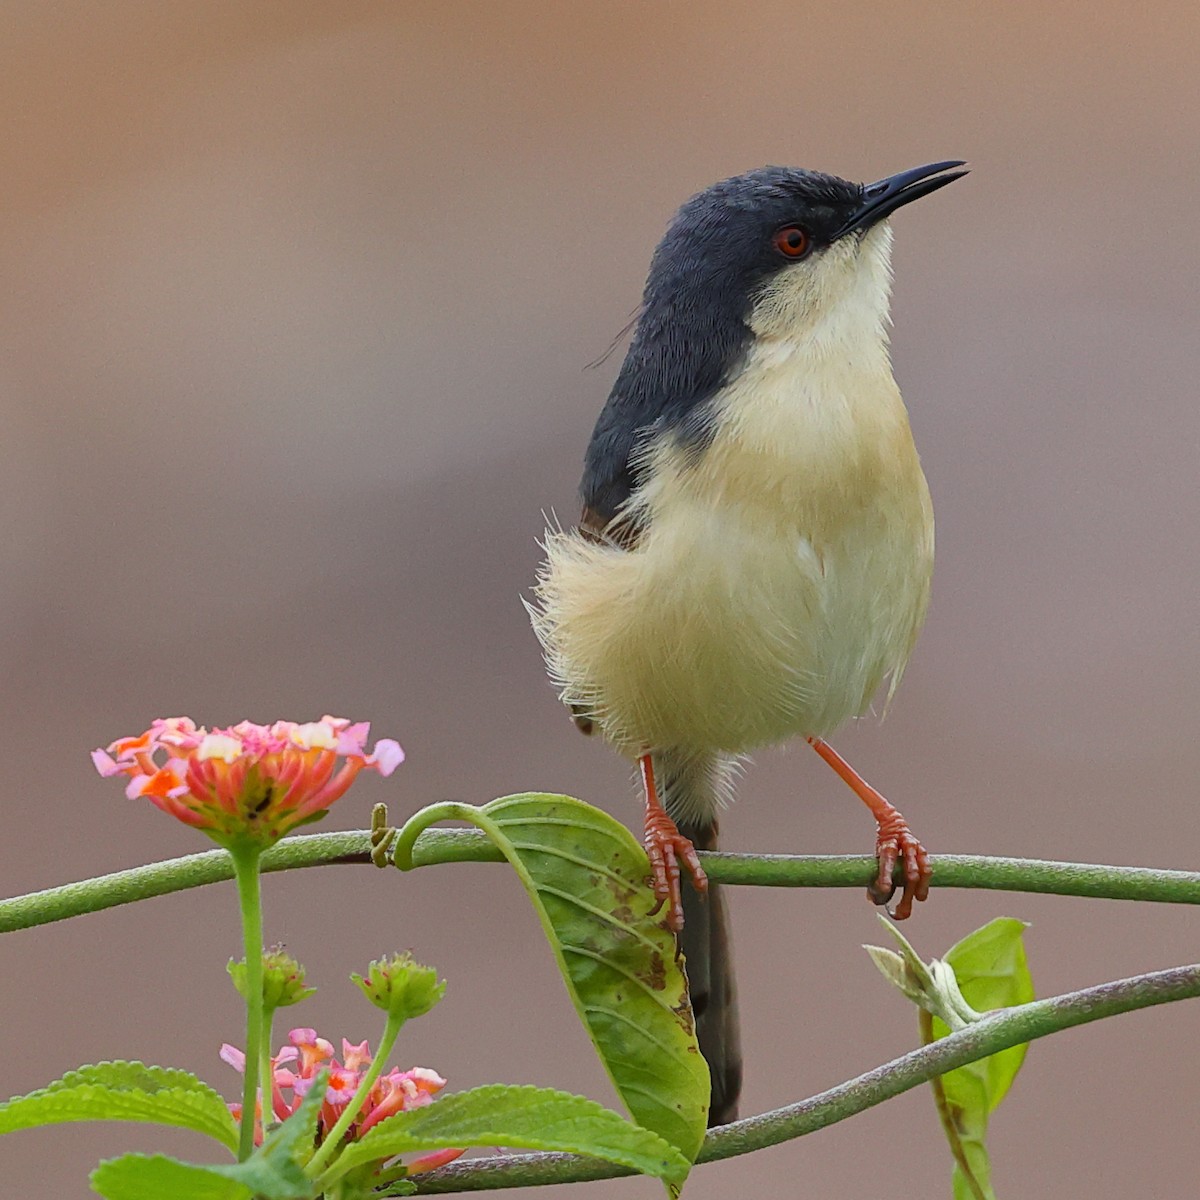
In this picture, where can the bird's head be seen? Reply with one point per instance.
(781, 250)
(780, 259)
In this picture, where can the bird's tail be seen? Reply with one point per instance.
(692, 796)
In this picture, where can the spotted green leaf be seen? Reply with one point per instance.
(588, 880)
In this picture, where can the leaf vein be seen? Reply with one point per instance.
(599, 913)
(653, 993)
(579, 860)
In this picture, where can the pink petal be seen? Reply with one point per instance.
(427, 1162)
(234, 1057)
(387, 756)
(425, 1079)
(104, 763)
(341, 1086)
(352, 738)
(355, 1057)
(385, 1106)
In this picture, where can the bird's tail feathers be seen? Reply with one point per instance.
(693, 793)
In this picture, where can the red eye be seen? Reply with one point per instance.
(792, 242)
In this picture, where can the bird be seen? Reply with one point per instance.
(755, 551)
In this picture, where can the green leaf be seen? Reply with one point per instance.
(974, 1149)
(272, 1172)
(992, 973)
(588, 880)
(124, 1091)
(154, 1176)
(527, 1118)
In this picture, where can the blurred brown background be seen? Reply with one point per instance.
(297, 298)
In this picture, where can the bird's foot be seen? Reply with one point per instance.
(895, 843)
(666, 847)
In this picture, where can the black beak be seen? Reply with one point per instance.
(881, 199)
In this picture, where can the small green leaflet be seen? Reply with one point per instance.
(527, 1118)
(124, 1091)
(587, 878)
(992, 973)
(402, 1187)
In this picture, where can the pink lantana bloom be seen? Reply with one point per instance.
(248, 783)
(295, 1067)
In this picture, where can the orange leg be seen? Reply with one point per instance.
(894, 841)
(665, 846)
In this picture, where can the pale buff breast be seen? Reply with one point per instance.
(782, 575)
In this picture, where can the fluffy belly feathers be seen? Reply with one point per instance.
(779, 579)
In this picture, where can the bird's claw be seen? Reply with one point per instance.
(666, 847)
(894, 844)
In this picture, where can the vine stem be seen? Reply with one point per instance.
(997, 1031)
(465, 845)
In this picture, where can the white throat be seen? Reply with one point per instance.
(834, 307)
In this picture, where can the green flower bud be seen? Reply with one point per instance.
(401, 987)
(283, 979)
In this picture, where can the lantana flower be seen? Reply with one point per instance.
(248, 783)
(295, 1067)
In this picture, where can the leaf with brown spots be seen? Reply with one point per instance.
(588, 880)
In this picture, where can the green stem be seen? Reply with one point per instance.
(333, 1139)
(949, 1128)
(997, 1031)
(245, 865)
(435, 846)
(265, 1074)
